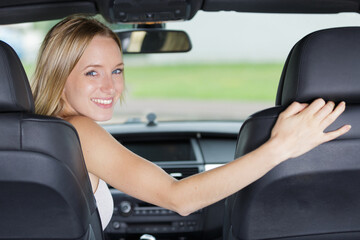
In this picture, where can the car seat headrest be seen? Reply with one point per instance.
(323, 64)
(15, 92)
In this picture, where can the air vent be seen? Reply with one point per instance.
(180, 173)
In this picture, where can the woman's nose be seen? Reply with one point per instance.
(108, 85)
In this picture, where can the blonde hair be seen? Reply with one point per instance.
(60, 51)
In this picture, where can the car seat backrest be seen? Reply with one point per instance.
(323, 64)
(45, 192)
(314, 196)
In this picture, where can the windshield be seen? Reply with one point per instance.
(231, 72)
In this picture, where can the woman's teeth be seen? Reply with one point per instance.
(102, 101)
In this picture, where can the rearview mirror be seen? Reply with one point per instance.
(154, 41)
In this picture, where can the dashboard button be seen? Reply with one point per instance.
(125, 208)
(116, 225)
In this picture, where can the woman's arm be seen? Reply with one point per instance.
(298, 129)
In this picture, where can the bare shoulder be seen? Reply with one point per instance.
(97, 144)
(86, 126)
(91, 133)
(81, 122)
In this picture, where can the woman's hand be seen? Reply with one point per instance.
(301, 127)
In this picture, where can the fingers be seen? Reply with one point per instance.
(315, 106)
(318, 107)
(332, 115)
(325, 110)
(293, 109)
(328, 115)
(318, 111)
(337, 133)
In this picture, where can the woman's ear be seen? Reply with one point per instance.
(63, 105)
(63, 99)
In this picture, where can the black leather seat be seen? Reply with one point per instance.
(315, 196)
(45, 192)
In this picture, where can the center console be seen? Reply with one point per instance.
(133, 217)
(180, 158)
(181, 149)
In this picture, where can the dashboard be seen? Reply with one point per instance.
(181, 149)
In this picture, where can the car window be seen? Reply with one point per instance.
(231, 72)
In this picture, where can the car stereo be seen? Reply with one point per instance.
(132, 216)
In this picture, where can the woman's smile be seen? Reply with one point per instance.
(103, 102)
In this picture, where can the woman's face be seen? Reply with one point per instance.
(96, 82)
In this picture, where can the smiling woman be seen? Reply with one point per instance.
(231, 72)
(75, 76)
(59, 54)
(96, 82)
(79, 77)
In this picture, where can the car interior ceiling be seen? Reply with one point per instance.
(16, 11)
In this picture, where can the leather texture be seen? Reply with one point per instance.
(314, 196)
(45, 191)
(312, 69)
(15, 92)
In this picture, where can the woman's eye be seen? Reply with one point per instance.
(91, 73)
(117, 71)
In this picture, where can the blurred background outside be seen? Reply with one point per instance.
(232, 71)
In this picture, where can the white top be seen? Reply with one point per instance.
(104, 203)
